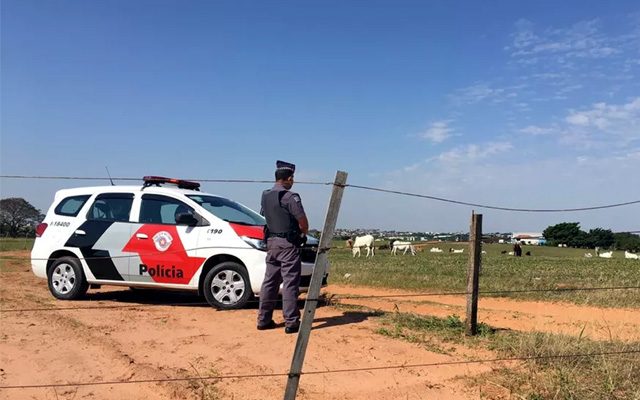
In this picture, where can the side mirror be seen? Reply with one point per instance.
(186, 219)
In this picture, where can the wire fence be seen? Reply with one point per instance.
(328, 299)
(324, 372)
(369, 188)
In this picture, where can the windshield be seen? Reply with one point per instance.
(229, 210)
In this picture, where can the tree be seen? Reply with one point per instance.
(627, 241)
(570, 234)
(18, 217)
(599, 237)
(565, 232)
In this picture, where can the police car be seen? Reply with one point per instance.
(166, 234)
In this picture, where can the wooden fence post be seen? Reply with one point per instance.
(313, 295)
(473, 273)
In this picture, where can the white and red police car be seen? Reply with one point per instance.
(165, 234)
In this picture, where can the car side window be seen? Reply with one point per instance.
(111, 207)
(157, 209)
(70, 206)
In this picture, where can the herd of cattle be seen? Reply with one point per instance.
(368, 242)
(609, 254)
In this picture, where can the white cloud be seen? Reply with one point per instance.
(413, 167)
(581, 40)
(477, 93)
(605, 128)
(622, 120)
(485, 92)
(438, 132)
(578, 119)
(602, 127)
(474, 152)
(536, 130)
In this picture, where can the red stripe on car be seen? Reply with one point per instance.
(252, 231)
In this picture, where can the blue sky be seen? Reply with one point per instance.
(517, 104)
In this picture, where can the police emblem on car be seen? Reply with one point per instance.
(162, 240)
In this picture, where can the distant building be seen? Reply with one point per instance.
(531, 238)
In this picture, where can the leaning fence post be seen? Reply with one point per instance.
(313, 295)
(473, 273)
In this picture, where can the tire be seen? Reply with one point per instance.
(66, 279)
(226, 286)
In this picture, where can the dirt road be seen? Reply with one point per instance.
(159, 335)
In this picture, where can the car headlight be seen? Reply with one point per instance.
(255, 243)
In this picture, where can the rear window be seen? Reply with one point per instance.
(70, 206)
(111, 207)
(157, 209)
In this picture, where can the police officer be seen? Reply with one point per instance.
(285, 233)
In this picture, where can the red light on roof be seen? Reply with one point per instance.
(182, 184)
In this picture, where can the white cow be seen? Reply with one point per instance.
(406, 246)
(631, 255)
(435, 250)
(457, 251)
(607, 254)
(362, 241)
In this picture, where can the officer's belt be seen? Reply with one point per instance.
(280, 235)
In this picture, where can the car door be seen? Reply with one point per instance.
(101, 237)
(165, 250)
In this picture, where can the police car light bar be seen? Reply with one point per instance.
(181, 183)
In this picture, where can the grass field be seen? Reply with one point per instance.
(10, 244)
(546, 268)
(589, 378)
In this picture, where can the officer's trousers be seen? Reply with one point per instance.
(283, 266)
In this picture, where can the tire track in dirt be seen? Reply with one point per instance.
(59, 347)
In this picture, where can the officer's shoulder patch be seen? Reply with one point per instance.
(296, 197)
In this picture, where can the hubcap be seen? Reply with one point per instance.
(63, 278)
(227, 287)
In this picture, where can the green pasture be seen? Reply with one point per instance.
(11, 244)
(546, 268)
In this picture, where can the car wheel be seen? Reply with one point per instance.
(226, 286)
(66, 279)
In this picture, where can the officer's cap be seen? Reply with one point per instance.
(282, 165)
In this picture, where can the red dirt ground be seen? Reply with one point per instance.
(151, 337)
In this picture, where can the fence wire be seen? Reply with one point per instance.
(323, 372)
(328, 299)
(369, 188)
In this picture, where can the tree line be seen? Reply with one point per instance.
(569, 233)
(18, 218)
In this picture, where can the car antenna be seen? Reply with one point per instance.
(111, 180)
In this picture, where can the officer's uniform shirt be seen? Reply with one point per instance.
(290, 200)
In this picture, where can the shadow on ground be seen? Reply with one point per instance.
(347, 317)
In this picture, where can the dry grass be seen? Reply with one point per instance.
(546, 377)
